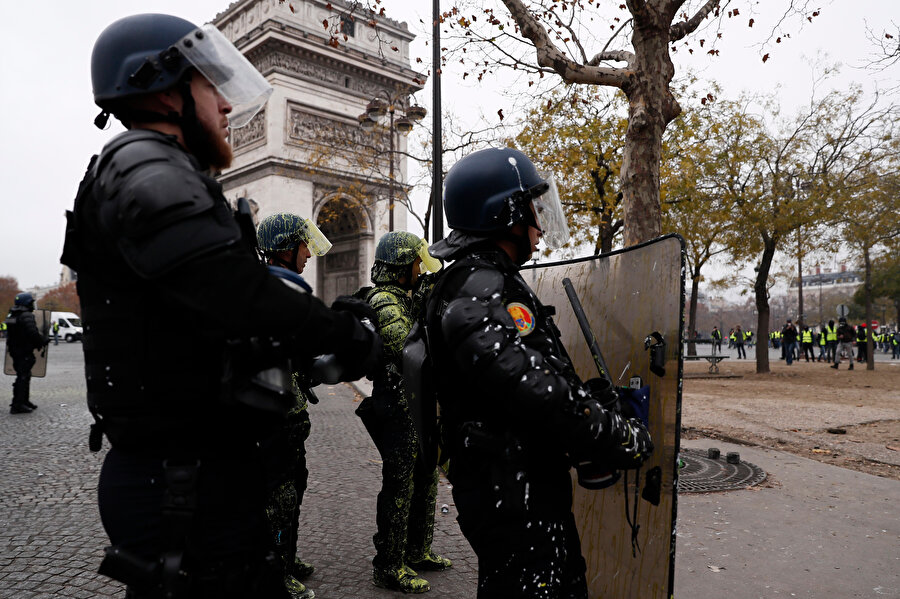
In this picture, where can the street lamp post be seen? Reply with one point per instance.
(390, 104)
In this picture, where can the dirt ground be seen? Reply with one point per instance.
(846, 418)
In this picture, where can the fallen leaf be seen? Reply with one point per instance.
(716, 568)
(821, 451)
(893, 447)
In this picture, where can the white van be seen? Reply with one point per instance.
(69, 326)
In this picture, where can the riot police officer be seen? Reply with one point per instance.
(185, 400)
(288, 241)
(24, 338)
(405, 507)
(514, 415)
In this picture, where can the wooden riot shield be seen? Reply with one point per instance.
(42, 320)
(627, 295)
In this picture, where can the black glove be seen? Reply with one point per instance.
(592, 422)
(632, 445)
(603, 391)
(604, 437)
(421, 291)
(359, 352)
(359, 308)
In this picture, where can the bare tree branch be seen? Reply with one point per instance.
(679, 30)
(548, 55)
(617, 55)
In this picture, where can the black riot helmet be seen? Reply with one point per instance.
(132, 57)
(24, 300)
(491, 190)
(149, 53)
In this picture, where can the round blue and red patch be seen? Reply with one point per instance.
(522, 316)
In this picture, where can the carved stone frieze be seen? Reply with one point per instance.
(304, 68)
(250, 133)
(330, 138)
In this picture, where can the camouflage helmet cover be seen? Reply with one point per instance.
(395, 252)
(285, 231)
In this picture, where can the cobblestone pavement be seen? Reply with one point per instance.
(812, 531)
(51, 539)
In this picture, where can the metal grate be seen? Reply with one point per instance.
(702, 474)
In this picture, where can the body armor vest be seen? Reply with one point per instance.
(153, 370)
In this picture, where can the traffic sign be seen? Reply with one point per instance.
(843, 311)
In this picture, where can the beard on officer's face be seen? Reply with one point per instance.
(214, 149)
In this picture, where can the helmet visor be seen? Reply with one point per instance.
(316, 241)
(551, 219)
(429, 262)
(224, 66)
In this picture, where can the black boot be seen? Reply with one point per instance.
(19, 408)
(28, 403)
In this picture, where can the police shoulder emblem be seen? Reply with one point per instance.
(522, 316)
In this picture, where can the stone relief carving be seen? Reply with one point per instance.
(329, 136)
(306, 69)
(253, 131)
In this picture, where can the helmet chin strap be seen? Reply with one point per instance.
(292, 265)
(522, 244)
(191, 129)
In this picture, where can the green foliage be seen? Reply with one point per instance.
(691, 206)
(869, 210)
(577, 135)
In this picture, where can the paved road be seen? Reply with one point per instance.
(817, 531)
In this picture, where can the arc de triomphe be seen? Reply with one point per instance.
(305, 152)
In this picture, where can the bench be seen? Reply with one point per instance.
(713, 360)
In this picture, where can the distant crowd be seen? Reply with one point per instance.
(824, 343)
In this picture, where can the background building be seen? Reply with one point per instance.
(306, 152)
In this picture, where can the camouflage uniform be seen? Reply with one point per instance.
(405, 514)
(279, 234)
(289, 480)
(405, 506)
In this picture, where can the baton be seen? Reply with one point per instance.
(580, 316)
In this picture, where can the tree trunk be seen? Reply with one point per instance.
(762, 304)
(692, 314)
(651, 106)
(870, 350)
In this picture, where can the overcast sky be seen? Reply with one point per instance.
(48, 111)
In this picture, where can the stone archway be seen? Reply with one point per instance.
(344, 268)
